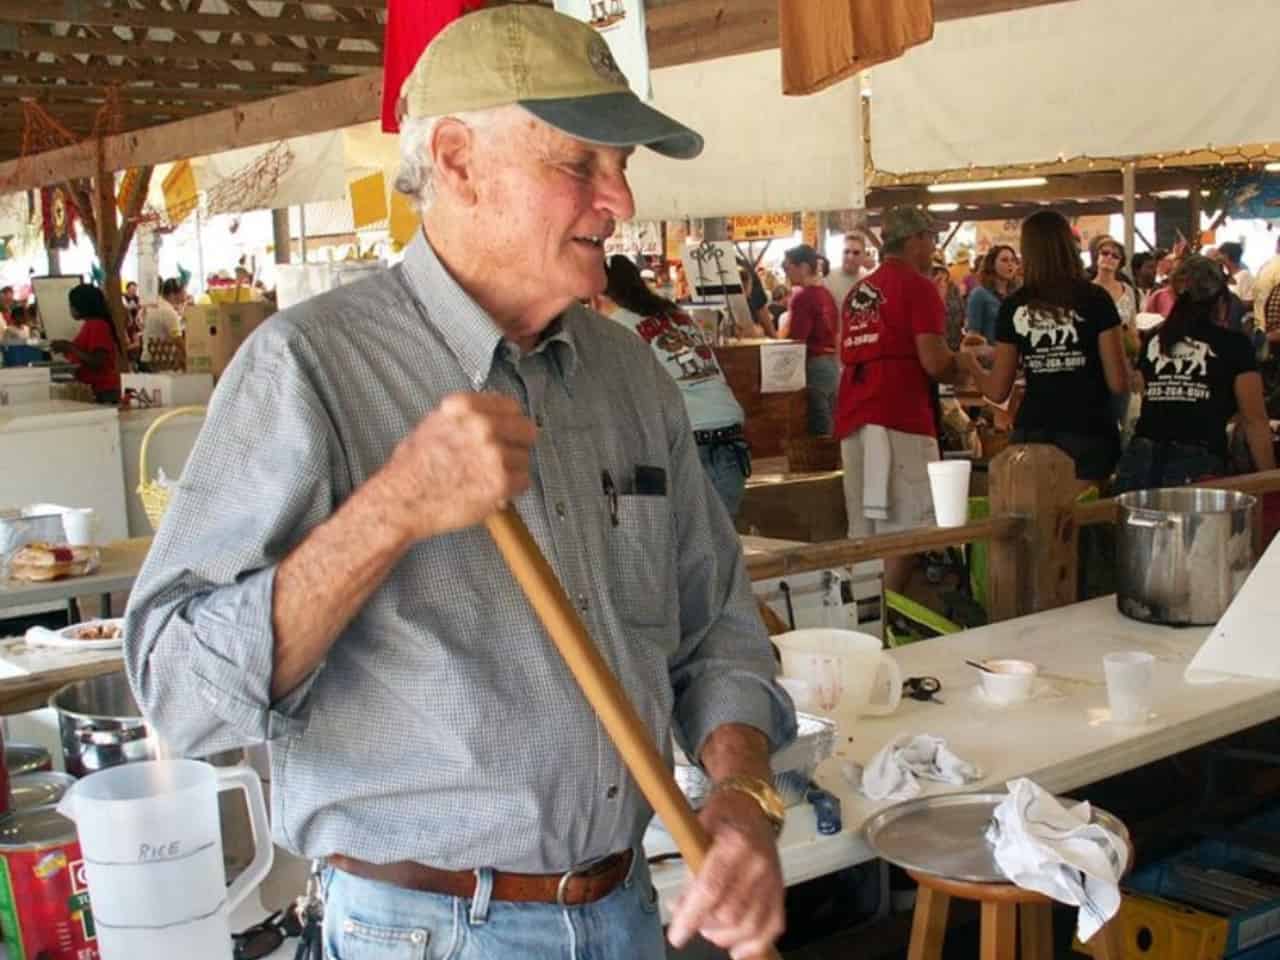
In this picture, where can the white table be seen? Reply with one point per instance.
(1063, 740)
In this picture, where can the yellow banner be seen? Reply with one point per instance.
(128, 187)
(404, 220)
(368, 200)
(180, 192)
(762, 226)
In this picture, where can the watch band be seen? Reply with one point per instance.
(763, 793)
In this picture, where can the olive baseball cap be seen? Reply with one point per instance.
(901, 222)
(556, 67)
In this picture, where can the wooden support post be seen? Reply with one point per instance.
(280, 235)
(1035, 570)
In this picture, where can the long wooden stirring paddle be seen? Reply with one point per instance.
(600, 686)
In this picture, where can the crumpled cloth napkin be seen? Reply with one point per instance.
(895, 772)
(1058, 851)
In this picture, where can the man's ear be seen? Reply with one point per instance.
(453, 157)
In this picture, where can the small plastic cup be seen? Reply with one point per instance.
(949, 483)
(1129, 691)
(78, 524)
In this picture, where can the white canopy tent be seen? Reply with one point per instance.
(765, 153)
(1089, 78)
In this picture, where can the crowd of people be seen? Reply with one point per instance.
(94, 353)
(1134, 370)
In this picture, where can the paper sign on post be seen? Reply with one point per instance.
(711, 268)
(781, 367)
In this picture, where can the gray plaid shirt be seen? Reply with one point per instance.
(443, 726)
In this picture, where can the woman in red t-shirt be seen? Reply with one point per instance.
(94, 351)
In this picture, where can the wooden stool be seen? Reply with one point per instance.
(1003, 905)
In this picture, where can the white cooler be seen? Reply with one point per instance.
(24, 385)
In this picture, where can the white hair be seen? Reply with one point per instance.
(415, 178)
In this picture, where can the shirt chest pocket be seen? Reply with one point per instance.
(642, 560)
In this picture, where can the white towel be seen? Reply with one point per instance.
(894, 773)
(1043, 846)
(877, 459)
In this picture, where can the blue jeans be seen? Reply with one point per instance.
(367, 920)
(727, 466)
(822, 378)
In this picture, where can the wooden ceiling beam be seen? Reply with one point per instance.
(23, 11)
(267, 81)
(1085, 185)
(1020, 211)
(28, 41)
(86, 92)
(167, 111)
(327, 107)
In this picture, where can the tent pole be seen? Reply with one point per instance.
(200, 249)
(1129, 174)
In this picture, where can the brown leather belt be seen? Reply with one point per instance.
(585, 884)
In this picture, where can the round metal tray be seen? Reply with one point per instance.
(946, 835)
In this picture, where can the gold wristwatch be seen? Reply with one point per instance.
(763, 793)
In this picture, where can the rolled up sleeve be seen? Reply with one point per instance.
(724, 671)
(199, 640)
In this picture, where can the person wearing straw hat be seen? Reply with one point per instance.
(322, 580)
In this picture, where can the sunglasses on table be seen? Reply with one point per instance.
(263, 938)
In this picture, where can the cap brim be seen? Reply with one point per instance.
(618, 120)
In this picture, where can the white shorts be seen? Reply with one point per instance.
(910, 500)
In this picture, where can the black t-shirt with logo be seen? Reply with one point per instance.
(1190, 387)
(1066, 387)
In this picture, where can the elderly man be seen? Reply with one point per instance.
(320, 581)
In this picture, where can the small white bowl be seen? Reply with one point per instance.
(1008, 681)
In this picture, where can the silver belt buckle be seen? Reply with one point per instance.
(578, 869)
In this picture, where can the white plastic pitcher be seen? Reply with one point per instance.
(153, 857)
(843, 670)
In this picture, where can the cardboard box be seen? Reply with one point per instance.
(168, 389)
(215, 332)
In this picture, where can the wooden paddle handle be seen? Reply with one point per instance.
(600, 686)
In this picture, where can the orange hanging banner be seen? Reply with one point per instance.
(825, 41)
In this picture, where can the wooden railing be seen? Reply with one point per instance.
(1033, 532)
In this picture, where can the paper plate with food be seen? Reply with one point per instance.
(90, 635)
(53, 561)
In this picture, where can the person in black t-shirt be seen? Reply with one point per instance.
(1067, 333)
(1197, 375)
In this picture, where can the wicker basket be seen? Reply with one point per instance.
(154, 496)
(813, 454)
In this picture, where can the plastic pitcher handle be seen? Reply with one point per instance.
(890, 666)
(264, 851)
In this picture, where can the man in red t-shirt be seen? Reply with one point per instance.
(893, 347)
(815, 321)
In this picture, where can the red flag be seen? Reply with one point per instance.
(411, 25)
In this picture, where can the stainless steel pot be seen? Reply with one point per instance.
(101, 725)
(1183, 553)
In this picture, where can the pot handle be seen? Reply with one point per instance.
(111, 738)
(1150, 524)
